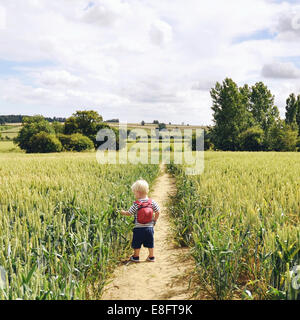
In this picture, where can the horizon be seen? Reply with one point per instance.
(139, 60)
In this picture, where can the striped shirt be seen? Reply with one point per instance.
(134, 210)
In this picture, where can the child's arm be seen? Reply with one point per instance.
(125, 213)
(156, 216)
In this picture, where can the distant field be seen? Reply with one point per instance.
(9, 146)
(153, 126)
(10, 130)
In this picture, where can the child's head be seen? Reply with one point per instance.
(140, 189)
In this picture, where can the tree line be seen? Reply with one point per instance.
(246, 119)
(19, 119)
(77, 133)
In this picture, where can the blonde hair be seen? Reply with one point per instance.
(140, 186)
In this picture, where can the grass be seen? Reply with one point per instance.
(241, 218)
(60, 231)
(8, 132)
(8, 146)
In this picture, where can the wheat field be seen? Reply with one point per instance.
(60, 233)
(241, 218)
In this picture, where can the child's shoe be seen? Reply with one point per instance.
(135, 259)
(152, 259)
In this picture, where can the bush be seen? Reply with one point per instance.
(114, 139)
(208, 145)
(75, 142)
(58, 127)
(162, 126)
(32, 126)
(44, 142)
(282, 137)
(252, 139)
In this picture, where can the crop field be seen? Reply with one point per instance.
(9, 146)
(60, 234)
(241, 218)
(10, 131)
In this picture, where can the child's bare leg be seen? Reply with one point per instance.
(136, 252)
(151, 252)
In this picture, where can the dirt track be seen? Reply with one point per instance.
(163, 279)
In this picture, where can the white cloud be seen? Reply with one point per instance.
(160, 33)
(281, 70)
(288, 26)
(59, 78)
(2, 18)
(134, 60)
(103, 13)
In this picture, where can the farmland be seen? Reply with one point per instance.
(241, 218)
(61, 237)
(60, 233)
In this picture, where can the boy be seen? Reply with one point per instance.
(143, 211)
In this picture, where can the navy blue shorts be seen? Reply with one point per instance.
(143, 236)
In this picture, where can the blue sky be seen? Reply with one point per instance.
(264, 34)
(143, 60)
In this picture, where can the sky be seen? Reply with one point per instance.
(143, 59)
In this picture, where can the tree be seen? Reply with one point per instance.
(87, 123)
(32, 126)
(208, 145)
(84, 122)
(44, 142)
(252, 139)
(75, 142)
(58, 127)
(282, 137)
(143, 123)
(113, 121)
(230, 113)
(162, 126)
(292, 114)
(113, 134)
(262, 106)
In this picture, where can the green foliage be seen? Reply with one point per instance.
(44, 142)
(282, 137)
(292, 115)
(262, 107)
(75, 142)
(61, 234)
(246, 119)
(162, 126)
(252, 139)
(32, 126)
(58, 127)
(231, 115)
(114, 140)
(241, 220)
(20, 119)
(208, 145)
(87, 123)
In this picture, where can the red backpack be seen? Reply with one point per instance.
(145, 211)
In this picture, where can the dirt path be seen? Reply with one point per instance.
(164, 279)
